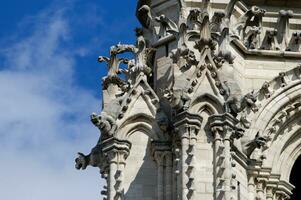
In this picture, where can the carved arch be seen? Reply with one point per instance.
(271, 107)
(208, 101)
(285, 146)
(140, 122)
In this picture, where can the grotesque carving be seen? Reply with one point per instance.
(105, 123)
(236, 103)
(186, 55)
(143, 13)
(295, 42)
(258, 142)
(266, 90)
(160, 26)
(194, 19)
(167, 26)
(282, 78)
(251, 40)
(247, 101)
(224, 42)
(270, 40)
(249, 25)
(216, 22)
(94, 159)
(178, 99)
(283, 28)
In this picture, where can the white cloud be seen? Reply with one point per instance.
(44, 118)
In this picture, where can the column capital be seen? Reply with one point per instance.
(116, 150)
(160, 149)
(186, 122)
(226, 126)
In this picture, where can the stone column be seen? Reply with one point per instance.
(112, 171)
(184, 167)
(187, 126)
(228, 168)
(162, 154)
(224, 130)
(159, 157)
(168, 176)
(260, 188)
(177, 164)
(121, 157)
(116, 152)
(218, 160)
(251, 187)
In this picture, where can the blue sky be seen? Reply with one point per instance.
(49, 85)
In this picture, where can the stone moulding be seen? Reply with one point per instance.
(177, 116)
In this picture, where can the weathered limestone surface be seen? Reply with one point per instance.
(208, 108)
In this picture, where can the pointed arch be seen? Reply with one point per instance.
(272, 109)
(206, 102)
(285, 146)
(140, 122)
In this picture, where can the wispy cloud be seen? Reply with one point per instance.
(44, 118)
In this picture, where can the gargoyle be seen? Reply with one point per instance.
(236, 103)
(270, 40)
(251, 18)
(94, 159)
(160, 25)
(178, 99)
(283, 34)
(167, 26)
(251, 40)
(105, 123)
(257, 143)
(143, 13)
(248, 101)
(186, 55)
(216, 22)
(295, 42)
(224, 42)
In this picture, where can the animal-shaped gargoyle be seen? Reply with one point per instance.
(94, 159)
(178, 99)
(236, 103)
(258, 142)
(105, 123)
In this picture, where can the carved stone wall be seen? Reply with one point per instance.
(209, 108)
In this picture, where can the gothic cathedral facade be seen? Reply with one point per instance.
(207, 108)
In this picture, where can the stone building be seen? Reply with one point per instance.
(208, 108)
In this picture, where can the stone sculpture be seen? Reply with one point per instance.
(193, 109)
